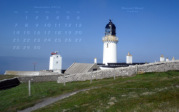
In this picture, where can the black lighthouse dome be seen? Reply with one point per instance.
(110, 29)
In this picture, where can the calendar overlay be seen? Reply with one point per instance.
(46, 25)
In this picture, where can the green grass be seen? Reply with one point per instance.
(144, 92)
(149, 92)
(17, 98)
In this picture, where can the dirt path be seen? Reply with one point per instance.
(51, 100)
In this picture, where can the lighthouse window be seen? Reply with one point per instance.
(57, 56)
(107, 45)
(108, 31)
(57, 62)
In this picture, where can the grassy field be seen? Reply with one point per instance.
(145, 92)
(150, 92)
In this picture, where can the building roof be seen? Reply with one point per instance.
(81, 68)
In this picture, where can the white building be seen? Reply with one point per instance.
(110, 44)
(95, 60)
(55, 62)
(162, 58)
(173, 59)
(167, 60)
(129, 58)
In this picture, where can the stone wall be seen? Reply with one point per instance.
(122, 71)
(101, 74)
(30, 73)
(22, 73)
(39, 78)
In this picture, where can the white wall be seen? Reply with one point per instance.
(55, 63)
(129, 59)
(95, 60)
(110, 52)
(167, 60)
(162, 59)
(105, 68)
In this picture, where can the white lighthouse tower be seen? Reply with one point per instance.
(110, 44)
(55, 62)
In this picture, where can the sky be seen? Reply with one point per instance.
(31, 29)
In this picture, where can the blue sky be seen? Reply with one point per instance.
(32, 29)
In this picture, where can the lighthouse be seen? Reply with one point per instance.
(110, 44)
(55, 63)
